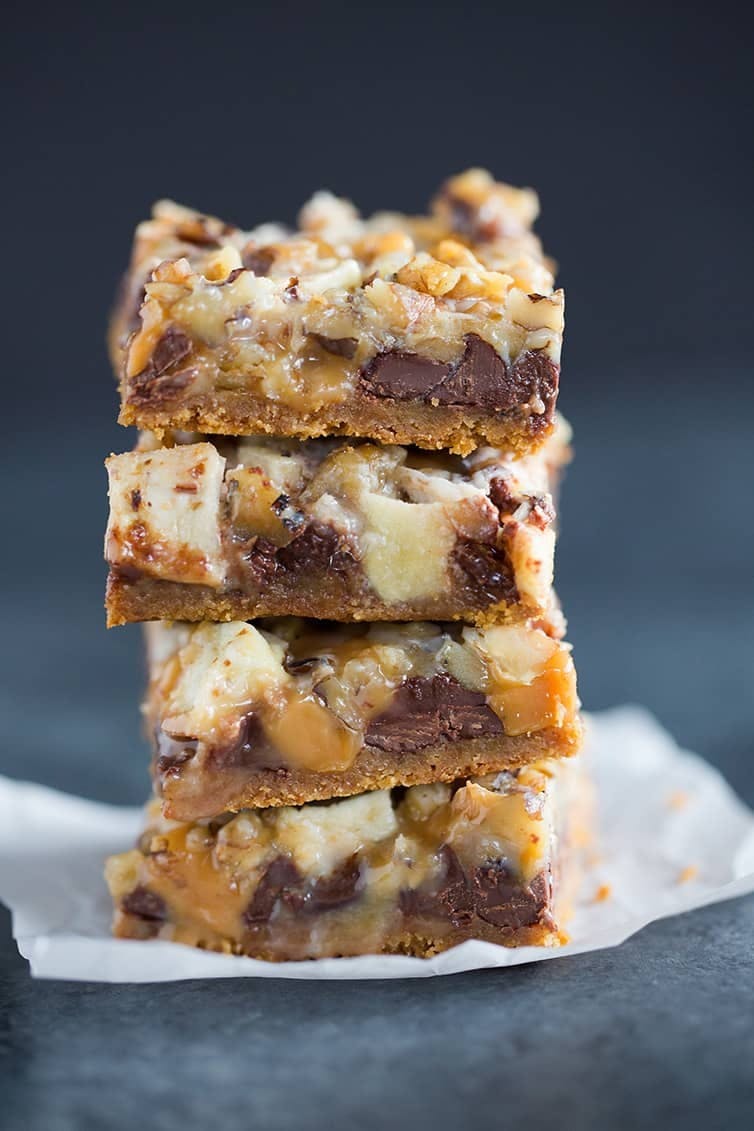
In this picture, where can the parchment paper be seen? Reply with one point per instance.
(672, 836)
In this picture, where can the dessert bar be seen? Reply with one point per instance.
(337, 529)
(443, 331)
(412, 871)
(288, 711)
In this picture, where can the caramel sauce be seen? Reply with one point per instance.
(199, 893)
(252, 502)
(307, 379)
(504, 820)
(143, 343)
(324, 378)
(307, 735)
(547, 701)
(342, 643)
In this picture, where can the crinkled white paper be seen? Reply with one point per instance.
(672, 836)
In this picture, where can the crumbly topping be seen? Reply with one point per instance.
(296, 316)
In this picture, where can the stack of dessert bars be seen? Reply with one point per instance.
(338, 521)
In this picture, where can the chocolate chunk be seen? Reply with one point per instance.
(261, 560)
(318, 548)
(450, 898)
(298, 666)
(249, 748)
(402, 376)
(341, 347)
(479, 378)
(282, 883)
(257, 259)
(126, 573)
(281, 880)
(336, 890)
(173, 346)
(494, 894)
(426, 711)
(161, 389)
(502, 497)
(535, 374)
(486, 572)
(501, 899)
(467, 220)
(173, 752)
(315, 549)
(145, 904)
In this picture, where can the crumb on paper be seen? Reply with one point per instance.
(690, 872)
(603, 892)
(678, 800)
(581, 836)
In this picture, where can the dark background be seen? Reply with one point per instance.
(634, 123)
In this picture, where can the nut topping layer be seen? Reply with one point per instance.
(441, 331)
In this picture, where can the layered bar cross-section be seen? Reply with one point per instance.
(289, 711)
(330, 529)
(443, 331)
(412, 871)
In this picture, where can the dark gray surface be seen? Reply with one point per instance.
(655, 1035)
(655, 572)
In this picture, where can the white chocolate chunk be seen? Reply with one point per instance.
(164, 513)
(532, 555)
(319, 837)
(284, 471)
(221, 669)
(406, 547)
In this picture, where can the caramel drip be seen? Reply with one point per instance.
(547, 701)
(307, 735)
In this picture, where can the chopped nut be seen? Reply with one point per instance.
(429, 275)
